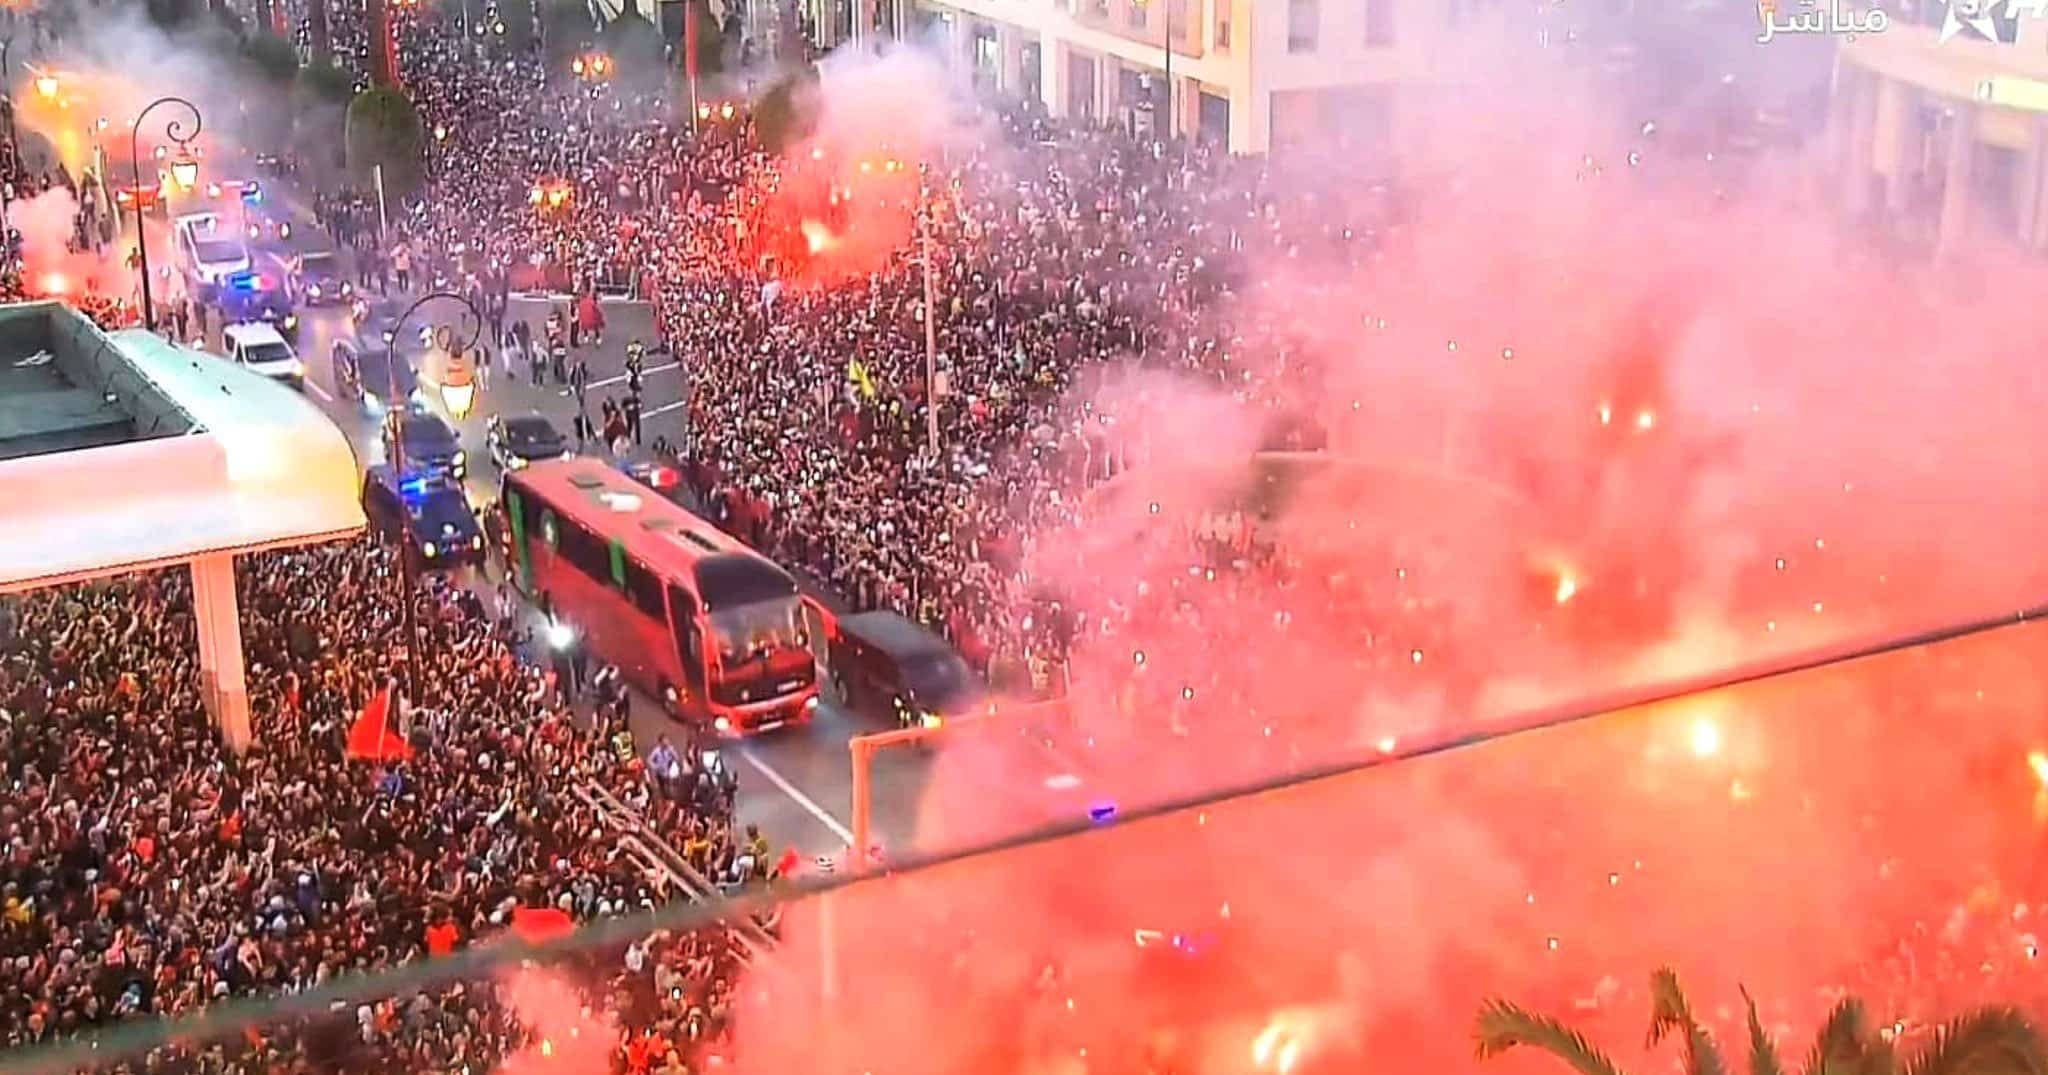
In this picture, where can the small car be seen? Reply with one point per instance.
(365, 370)
(430, 446)
(524, 439)
(320, 279)
(258, 347)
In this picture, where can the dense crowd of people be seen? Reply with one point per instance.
(150, 870)
(1065, 256)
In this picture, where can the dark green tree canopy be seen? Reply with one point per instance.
(384, 129)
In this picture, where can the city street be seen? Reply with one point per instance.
(795, 783)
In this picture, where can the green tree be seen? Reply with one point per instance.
(788, 112)
(383, 128)
(320, 100)
(1982, 1041)
(566, 29)
(518, 19)
(634, 44)
(171, 14)
(272, 57)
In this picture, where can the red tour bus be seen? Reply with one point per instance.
(687, 613)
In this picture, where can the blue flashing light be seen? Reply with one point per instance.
(414, 488)
(246, 281)
(1101, 813)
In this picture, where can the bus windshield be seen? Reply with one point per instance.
(756, 631)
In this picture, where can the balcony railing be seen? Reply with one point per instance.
(1145, 22)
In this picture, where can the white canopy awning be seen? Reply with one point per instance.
(263, 468)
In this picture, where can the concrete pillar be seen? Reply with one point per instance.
(1956, 192)
(2033, 192)
(222, 679)
(960, 45)
(1852, 119)
(863, 21)
(1251, 120)
(1010, 46)
(1052, 75)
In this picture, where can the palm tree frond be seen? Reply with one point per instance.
(1668, 1009)
(1842, 1042)
(1702, 1056)
(1503, 1026)
(1763, 1053)
(1986, 1041)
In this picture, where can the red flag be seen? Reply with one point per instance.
(791, 862)
(538, 925)
(372, 738)
(690, 47)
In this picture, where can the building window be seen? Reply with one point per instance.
(1304, 18)
(1138, 14)
(1223, 24)
(1379, 23)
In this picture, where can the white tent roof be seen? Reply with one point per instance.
(263, 468)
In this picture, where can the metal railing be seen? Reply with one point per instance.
(647, 845)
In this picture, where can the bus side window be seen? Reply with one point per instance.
(689, 648)
(644, 589)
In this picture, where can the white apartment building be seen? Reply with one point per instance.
(1256, 74)
(1939, 140)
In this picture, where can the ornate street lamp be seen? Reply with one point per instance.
(184, 169)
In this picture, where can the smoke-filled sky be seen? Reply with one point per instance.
(1605, 420)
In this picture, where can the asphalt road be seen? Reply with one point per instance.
(795, 783)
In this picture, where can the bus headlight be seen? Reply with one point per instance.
(461, 459)
(476, 541)
(313, 290)
(722, 724)
(429, 549)
(810, 703)
(291, 321)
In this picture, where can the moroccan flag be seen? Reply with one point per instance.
(374, 736)
(538, 925)
(690, 46)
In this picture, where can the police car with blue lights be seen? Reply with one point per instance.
(248, 297)
(426, 514)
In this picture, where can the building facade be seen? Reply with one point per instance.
(1252, 74)
(1942, 140)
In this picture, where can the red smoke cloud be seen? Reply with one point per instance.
(1598, 430)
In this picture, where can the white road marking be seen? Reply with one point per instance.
(313, 386)
(809, 804)
(667, 407)
(621, 378)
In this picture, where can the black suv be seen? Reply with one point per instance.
(430, 446)
(426, 513)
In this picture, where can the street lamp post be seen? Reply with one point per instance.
(446, 338)
(931, 315)
(185, 172)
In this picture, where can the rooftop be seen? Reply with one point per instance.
(63, 387)
(122, 452)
